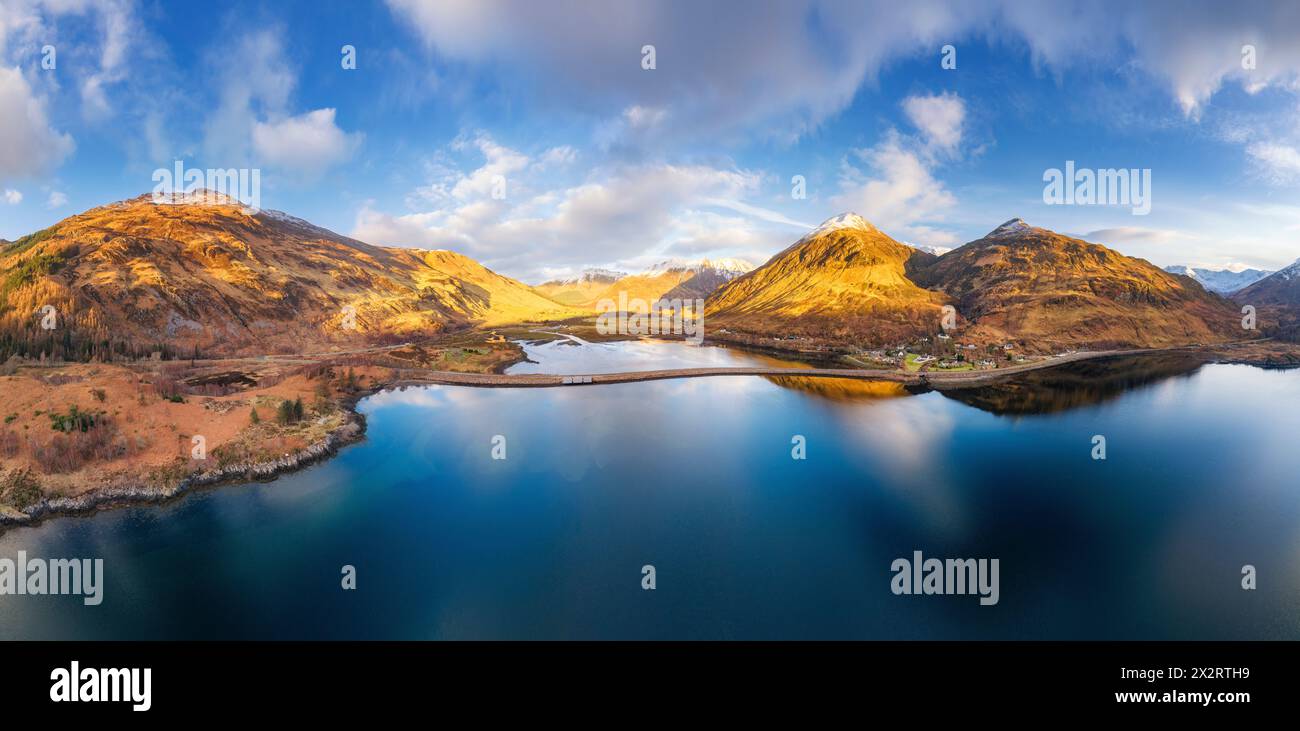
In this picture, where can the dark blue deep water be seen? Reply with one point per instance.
(695, 477)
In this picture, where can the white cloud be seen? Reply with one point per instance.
(119, 30)
(1132, 235)
(939, 117)
(95, 63)
(254, 122)
(258, 86)
(640, 118)
(900, 195)
(897, 190)
(307, 143)
(764, 214)
(29, 146)
(616, 214)
(793, 63)
(57, 199)
(13, 197)
(561, 155)
(787, 63)
(1276, 161)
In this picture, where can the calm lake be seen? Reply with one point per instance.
(695, 477)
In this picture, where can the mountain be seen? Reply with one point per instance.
(844, 280)
(935, 250)
(1277, 298)
(1047, 290)
(1279, 288)
(227, 280)
(676, 279)
(582, 290)
(1220, 281)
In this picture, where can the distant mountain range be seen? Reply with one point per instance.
(135, 277)
(582, 289)
(1221, 281)
(670, 279)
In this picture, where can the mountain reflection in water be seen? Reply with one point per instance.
(1078, 384)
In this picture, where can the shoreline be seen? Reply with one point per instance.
(354, 428)
(133, 494)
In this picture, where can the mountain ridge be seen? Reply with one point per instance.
(1220, 281)
(1017, 283)
(220, 278)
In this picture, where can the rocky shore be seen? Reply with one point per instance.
(353, 430)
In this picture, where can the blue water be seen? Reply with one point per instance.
(695, 477)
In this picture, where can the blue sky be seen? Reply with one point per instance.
(597, 161)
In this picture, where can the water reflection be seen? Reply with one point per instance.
(850, 390)
(569, 355)
(697, 477)
(1079, 384)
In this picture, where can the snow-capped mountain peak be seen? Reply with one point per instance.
(593, 274)
(1290, 272)
(1014, 226)
(842, 221)
(936, 250)
(1221, 281)
(727, 267)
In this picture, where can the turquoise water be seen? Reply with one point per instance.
(695, 477)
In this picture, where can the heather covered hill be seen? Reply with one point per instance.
(1048, 291)
(137, 276)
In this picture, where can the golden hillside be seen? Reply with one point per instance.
(846, 280)
(1047, 290)
(141, 276)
